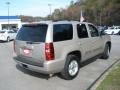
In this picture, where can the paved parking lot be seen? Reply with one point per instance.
(12, 77)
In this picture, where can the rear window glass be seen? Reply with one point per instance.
(62, 32)
(34, 33)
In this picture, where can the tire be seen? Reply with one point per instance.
(8, 39)
(71, 67)
(106, 52)
(119, 33)
(112, 32)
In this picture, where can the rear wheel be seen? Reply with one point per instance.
(106, 52)
(8, 39)
(112, 32)
(71, 67)
(119, 33)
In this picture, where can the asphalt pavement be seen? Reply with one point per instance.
(13, 77)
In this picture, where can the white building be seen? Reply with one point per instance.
(10, 22)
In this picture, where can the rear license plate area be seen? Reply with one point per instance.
(26, 52)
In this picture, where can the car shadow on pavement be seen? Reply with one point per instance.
(5, 41)
(2, 41)
(86, 62)
(32, 73)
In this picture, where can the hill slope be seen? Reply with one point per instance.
(100, 12)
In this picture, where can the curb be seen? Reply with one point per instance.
(97, 82)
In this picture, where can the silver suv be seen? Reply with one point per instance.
(52, 47)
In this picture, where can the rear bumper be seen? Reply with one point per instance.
(45, 68)
(3, 38)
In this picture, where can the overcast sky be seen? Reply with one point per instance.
(31, 7)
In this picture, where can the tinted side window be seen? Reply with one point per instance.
(82, 31)
(93, 31)
(62, 32)
(33, 33)
(10, 32)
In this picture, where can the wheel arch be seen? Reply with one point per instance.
(65, 72)
(77, 53)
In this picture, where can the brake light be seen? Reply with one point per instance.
(49, 51)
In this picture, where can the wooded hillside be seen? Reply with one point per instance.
(100, 12)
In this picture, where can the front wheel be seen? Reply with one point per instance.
(106, 52)
(71, 67)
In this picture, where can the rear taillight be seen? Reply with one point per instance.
(49, 51)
